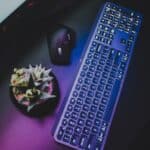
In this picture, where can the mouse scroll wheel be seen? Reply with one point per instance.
(69, 37)
(59, 50)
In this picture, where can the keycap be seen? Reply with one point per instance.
(88, 100)
(83, 141)
(72, 101)
(60, 133)
(86, 130)
(75, 140)
(70, 107)
(80, 122)
(66, 138)
(88, 123)
(83, 114)
(97, 122)
(99, 114)
(91, 115)
(72, 123)
(85, 107)
(95, 101)
(93, 87)
(69, 130)
(77, 108)
(80, 101)
(74, 116)
(93, 108)
(78, 129)
(94, 130)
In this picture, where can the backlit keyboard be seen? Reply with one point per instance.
(86, 117)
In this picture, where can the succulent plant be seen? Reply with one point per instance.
(32, 86)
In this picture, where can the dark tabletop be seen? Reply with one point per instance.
(27, 44)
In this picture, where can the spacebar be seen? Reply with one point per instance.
(112, 101)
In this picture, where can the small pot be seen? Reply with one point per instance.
(43, 108)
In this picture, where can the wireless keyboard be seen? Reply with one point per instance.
(87, 114)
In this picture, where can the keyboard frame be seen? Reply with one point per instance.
(82, 59)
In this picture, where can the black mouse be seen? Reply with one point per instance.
(61, 41)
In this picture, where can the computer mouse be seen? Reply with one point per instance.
(61, 40)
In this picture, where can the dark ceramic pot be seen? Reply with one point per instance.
(42, 109)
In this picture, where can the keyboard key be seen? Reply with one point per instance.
(99, 68)
(91, 115)
(78, 129)
(93, 108)
(88, 100)
(80, 80)
(94, 130)
(103, 81)
(67, 114)
(99, 114)
(80, 101)
(83, 141)
(80, 122)
(89, 74)
(72, 101)
(82, 94)
(109, 87)
(72, 123)
(105, 74)
(97, 74)
(92, 68)
(106, 93)
(85, 107)
(60, 133)
(85, 67)
(98, 95)
(95, 80)
(85, 87)
(90, 55)
(104, 100)
(102, 62)
(91, 142)
(95, 101)
(97, 122)
(96, 56)
(77, 108)
(90, 94)
(89, 123)
(110, 80)
(94, 62)
(75, 93)
(87, 81)
(78, 87)
(66, 138)
(74, 116)
(86, 131)
(93, 87)
(83, 114)
(112, 54)
(64, 122)
(69, 130)
(101, 107)
(75, 140)
(100, 88)
(88, 61)
(113, 74)
(70, 107)
(82, 74)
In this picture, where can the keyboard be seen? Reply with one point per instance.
(89, 108)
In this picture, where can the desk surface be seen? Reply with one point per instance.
(20, 132)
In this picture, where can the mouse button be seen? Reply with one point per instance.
(59, 51)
